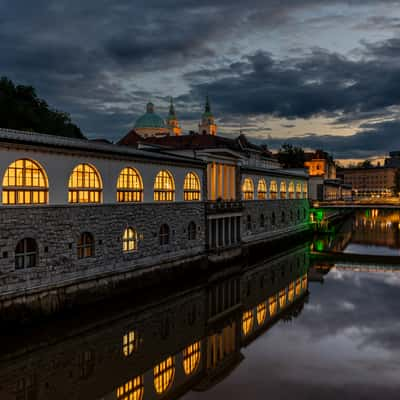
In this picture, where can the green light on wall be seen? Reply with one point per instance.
(319, 245)
(319, 215)
(367, 213)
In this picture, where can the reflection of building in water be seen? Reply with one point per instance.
(187, 341)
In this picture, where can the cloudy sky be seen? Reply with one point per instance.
(317, 73)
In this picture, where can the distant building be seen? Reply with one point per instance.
(151, 124)
(394, 160)
(320, 164)
(370, 182)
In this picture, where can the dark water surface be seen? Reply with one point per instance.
(292, 326)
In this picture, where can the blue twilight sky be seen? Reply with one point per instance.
(321, 74)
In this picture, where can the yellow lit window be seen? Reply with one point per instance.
(191, 187)
(291, 190)
(25, 182)
(305, 190)
(298, 287)
(262, 190)
(129, 240)
(283, 190)
(273, 189)
(298, 190)
(84, 185)
(85, 245)
(164, 375)
(129, 186)
(282, 298)
(130, 343)
(261, 313)
(131, 390)
(304, 282)
(247, 322)
(291, 292)
(164, 187)
(191, 358)
(272, 303)
(248, 189)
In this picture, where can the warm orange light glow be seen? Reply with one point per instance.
(273, 189)
(191, 358)
(129, 186)
(25, 182)
(282, 298)
(262, 190)
(283, 190)
(129, 240)
(131, 390)
(261, 313)
(191, 187)
(130, 343)
(248, 189)
(247, 322)
(164, 375)
(291, 292)
(84, 185)
(291, 190)
(164, 187)
(272, 303)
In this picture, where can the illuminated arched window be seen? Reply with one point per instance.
(298, 190)
(247, 322)
(283, 190)
(291, 292)
(85, 245)
(191, 187)
(164, 187)
(129, 186)
(164, 375)
(131, 390)
(191, 358)
(84, 185)
(291, 190)
(25, 182)
(261, 313)
(192, 231)
(130, 343)
(305, 190)
(282, 298)
(262, 190)
(272, 305)
(129, 240)
(298, 287)
(164, 235)
(273, 190)
(26, 254)
(248, 189)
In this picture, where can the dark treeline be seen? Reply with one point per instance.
(21, 109)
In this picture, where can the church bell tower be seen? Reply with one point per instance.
(207, 125)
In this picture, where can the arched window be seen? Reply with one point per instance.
(262, 190)
(164, 187)
(84, 185)
(298, 190)
(283, 190)
(247, 322)
(26, 254)
(164, 235)
(85, 245)
(291, 190)
(131, 390)
(25, 182)
(164, 375)
(262, 221)
(191, 187)
(129, 186)
(129, 240)
(305, 190)
(130, 343)
(191, 358)
(192, 231)
(261, 313)
(248, 189)
(273, 190)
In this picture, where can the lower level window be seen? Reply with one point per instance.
(26, 254)
(86, 245)
(164, 235)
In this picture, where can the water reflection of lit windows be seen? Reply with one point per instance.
(261, 313)
(191, 358)
(26, 388)
(298, 287)
(221, 345)
(247, 322)
(282, 298)
(131, 390)
(86, 364)
(130, 343)
(164, 375)
(304, 282)
(272, 305)
(291, 292)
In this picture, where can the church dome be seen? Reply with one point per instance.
(150, 119)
